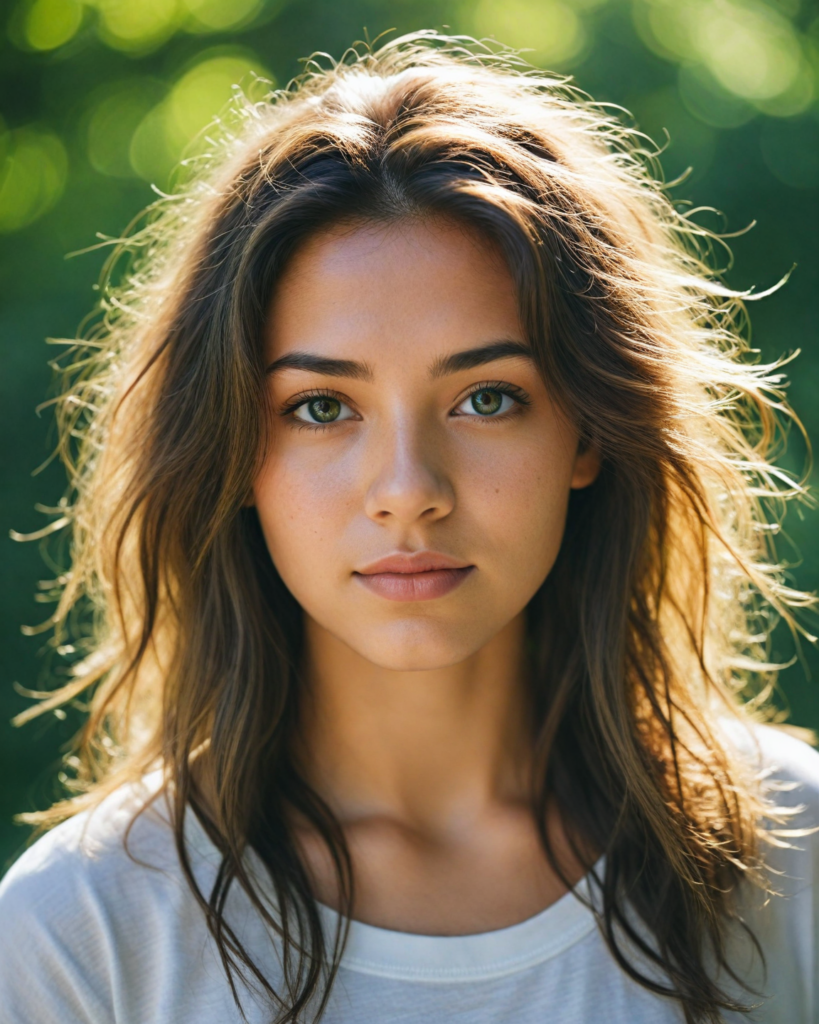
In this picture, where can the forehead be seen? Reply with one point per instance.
(406, 289)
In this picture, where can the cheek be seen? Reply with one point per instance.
(303, 503)
(518, 501)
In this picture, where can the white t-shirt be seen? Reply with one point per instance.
(88, 934)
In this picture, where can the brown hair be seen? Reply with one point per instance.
(650, 624)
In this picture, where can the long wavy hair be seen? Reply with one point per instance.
(650, 628)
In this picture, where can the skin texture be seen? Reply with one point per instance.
(415, 721)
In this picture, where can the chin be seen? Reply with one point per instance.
(416, 647)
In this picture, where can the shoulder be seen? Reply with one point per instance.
(787, 767)
(784, 921)
(85, 902)
(789, 774)
(92, 851)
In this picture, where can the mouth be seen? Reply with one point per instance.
(420, 576)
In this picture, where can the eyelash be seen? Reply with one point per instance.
(305, 396)
(502, 387)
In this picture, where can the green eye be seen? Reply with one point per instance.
(491, 402)
(324, 410)
(487, 401)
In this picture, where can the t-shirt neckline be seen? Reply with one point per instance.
(407, 956)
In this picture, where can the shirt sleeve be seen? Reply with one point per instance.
(98, 925)
(55, 949)
(788, 922)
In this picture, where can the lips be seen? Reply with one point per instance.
(419, 576)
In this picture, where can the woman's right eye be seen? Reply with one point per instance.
(322, 409)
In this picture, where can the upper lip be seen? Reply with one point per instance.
(416, 561)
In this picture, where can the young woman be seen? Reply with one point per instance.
(418, 481)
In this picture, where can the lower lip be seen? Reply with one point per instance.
(414, 586)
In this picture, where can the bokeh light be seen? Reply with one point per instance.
(754, 54)
(218, 15)
(137, 25)
(198, 96)
(49, 24)
(32, 176)
(746, 49)
(203, 90)
(550, 31)
(703, 96)
(116, 113)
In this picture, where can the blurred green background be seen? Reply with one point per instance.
(101, 98)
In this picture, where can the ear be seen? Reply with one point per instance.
(587, 464)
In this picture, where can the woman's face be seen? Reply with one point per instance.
(414, 493)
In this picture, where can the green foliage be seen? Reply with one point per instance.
(100, 100)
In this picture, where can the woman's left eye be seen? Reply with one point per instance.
(322, 409)
(486, 402)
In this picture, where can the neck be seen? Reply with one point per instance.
(421, 747)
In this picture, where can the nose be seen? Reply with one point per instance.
(409, 483)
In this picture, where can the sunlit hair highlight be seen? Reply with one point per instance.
(648, 633)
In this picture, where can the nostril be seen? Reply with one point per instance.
(407, 488)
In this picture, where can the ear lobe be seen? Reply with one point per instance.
(586, 467)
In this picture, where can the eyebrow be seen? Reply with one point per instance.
(442, 367)
(473, 357)
(321, 364)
